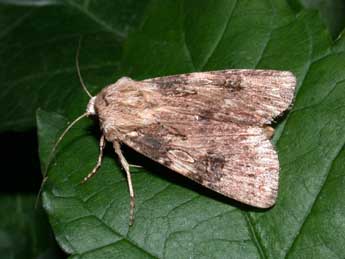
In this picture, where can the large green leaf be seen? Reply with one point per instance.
(176, 218)
(38, 45)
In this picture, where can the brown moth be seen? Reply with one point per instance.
(209, 126)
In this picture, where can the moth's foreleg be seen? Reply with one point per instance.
(99, 161)
(125, 166)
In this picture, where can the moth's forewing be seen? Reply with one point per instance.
(246, 96)
(207, 126)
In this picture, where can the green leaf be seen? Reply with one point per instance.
(38, 48)
(331, 12)
(176, 218)
(24, 230)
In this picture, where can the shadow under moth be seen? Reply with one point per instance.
(211, 127)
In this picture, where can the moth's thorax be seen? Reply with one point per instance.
(121, 107)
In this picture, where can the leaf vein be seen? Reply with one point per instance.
(15, 24)
(220, 38)
(99, 21)
(254, 234)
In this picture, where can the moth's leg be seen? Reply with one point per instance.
(99, 161)
(125, 166)
(135, 166)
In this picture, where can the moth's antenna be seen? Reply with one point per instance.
(78, 69)
(45, 177)
(65, 131)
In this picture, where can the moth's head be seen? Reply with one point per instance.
(90, 109)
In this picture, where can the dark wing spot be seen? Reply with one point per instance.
(206, 114)
(151, 142)
(211, 167)
(234, 84)
(150, 146)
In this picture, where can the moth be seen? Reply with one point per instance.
(211, 127)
